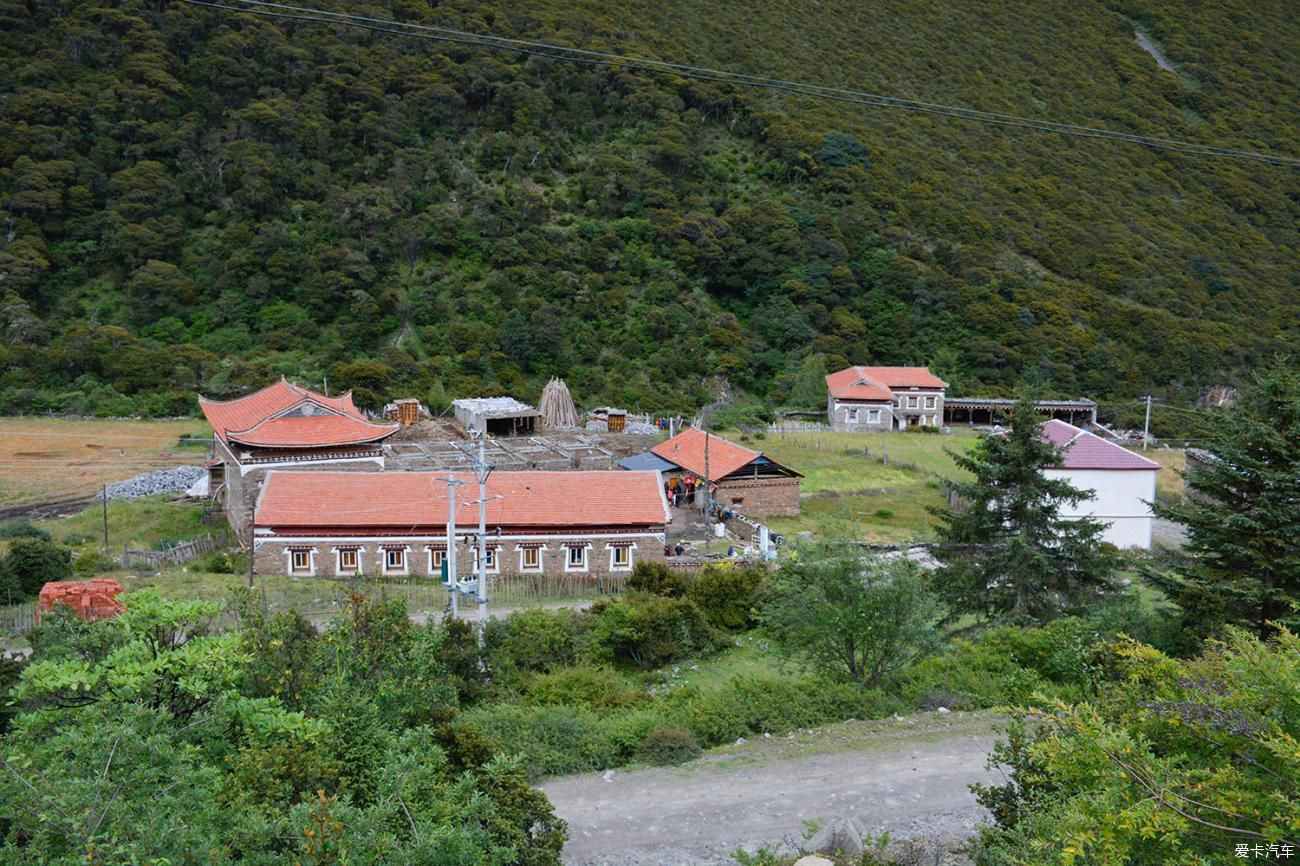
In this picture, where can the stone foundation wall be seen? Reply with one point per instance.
(761, 497)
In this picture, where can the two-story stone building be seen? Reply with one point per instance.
(884, 398)
(394, 524)
(284, 426)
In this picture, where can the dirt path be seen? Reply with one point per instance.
(907, 777)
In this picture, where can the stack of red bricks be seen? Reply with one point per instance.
(89, 599)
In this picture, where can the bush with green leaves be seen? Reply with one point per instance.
(648, 631)
(22, 527)
(668, 746)
(30, 564)
(848, 613)
(535, 640)
(1173, 762)
(600, 688)
(658, 579)
(728, 594)
(111, 714)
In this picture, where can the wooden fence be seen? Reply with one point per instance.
(799, 427)
(186, 551)
(17, 619)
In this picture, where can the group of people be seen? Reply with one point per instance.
(681, 491)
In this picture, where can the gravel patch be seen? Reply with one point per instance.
(176, 480)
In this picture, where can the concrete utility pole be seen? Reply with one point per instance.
(252, 538)
(104, 494)
(482, 469)
(1146, 425)
(708, 495)
(453, 585)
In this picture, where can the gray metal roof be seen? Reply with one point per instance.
(646, 460)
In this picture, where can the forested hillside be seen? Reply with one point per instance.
(197, 198)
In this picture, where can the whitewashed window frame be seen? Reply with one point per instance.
(493, 554)
(873, 416)
(613, 554)
(524, 567)
(309, 570)
(851, 415)
(340, 570)
(583, 566)
(930, 401)
(405, 568)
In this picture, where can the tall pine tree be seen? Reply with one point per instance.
(1008, 553)
(1241, 565)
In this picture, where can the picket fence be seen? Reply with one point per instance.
(186, 551)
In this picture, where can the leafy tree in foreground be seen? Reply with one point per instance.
(1008, 553)
(1175, 763)
(849, 613)
(1242, 514)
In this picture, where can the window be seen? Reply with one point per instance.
(394, 560)
(300, 561)
(349, 562)
(913, 402)
(530, 558)
(929, 402)
(437, 556)
(873, 416)
(489, 556)
(620, 557)
(851, 415)
(575, 558)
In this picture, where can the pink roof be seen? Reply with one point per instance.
(411, 500)
(1085, 450)
(266, 418)
(876, 383)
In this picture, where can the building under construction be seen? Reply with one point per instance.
(496, 416)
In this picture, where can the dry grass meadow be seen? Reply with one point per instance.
(43, 459)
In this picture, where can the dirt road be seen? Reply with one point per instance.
(906, 777)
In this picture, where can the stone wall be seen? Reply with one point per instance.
(760, 497)
(837, 415)
(273, 556)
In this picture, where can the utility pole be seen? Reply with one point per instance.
(104, 497)
(708, 494)
(453, 585)
(482, 469)
(251, 538)
(1146, 425)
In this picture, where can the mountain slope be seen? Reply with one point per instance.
(195, 198)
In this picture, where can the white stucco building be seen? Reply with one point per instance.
(1124, 483)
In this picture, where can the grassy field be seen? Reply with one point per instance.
(1169, 484)
(866, 486)
(54, 458)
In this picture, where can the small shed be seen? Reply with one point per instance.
(496, 416)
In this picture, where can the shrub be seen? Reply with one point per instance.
(600, 688)
(88, 564)
(971, 675)
(649, 630)
(657, 579)
(217, 562)
(883, 514)
(849, 614)
(775, 702)
(728, 595)
(33, 562)
(668, 746)
(22, 528)
(535, 640)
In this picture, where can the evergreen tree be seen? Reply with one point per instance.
(1007, 552)
(1242, 513)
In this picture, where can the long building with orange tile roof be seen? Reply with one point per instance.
(394, 524)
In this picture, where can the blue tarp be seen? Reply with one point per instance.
(647, 460)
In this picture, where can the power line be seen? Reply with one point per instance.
(618, 61)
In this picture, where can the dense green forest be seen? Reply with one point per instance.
(193, 198)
